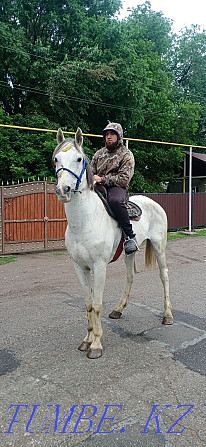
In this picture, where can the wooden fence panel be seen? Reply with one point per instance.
(23, 218)
(57, 222)
(31, 219)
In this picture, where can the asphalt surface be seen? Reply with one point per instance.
(52, 395)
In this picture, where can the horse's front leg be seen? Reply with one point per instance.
(118, 310)
(85, 280)
(95, 349)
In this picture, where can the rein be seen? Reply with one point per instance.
(79, 177)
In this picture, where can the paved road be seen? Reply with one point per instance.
(146, 369)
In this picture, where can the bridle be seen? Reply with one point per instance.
(78, 177)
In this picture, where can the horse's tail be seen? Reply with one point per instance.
(150, 258)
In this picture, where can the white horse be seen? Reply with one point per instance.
(92, 237)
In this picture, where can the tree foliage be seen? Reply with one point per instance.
(188, 66)
(74, 63)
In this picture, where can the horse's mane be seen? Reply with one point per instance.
(90, 180)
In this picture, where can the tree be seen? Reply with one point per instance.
(188, 65)
(73, 63)
(24, 153)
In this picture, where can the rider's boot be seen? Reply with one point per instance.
(130, 245)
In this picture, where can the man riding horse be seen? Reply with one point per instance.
(92, 236)
(113, 168)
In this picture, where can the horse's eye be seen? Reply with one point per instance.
(79, 159)
(55, 160)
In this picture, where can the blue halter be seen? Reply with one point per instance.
(79, 177)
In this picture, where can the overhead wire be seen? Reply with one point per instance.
(74, 98)
(191, 96)
(151, 85)
(69, 62)
(77, 99)
(86, 101)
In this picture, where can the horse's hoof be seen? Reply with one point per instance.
(167, 320)
(115, 315)
(84, 346)
(94, 353)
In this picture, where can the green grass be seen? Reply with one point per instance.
(180, 235)
(58, 253)
(7, 259)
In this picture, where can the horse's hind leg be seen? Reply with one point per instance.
(85, 280)
(159, 250)
(118, 310)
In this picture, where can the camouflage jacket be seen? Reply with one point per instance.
(115, 167)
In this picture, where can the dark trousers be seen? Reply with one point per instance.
(117, 198)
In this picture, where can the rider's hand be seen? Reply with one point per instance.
(97, 178)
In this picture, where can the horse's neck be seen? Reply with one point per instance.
(89, 225)
(83, 210)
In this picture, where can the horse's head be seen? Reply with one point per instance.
(71, 166)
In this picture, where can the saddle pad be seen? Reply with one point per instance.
(134, 211)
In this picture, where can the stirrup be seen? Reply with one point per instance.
(130, 246)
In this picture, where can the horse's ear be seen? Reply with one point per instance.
(60, 136)
(79, 137)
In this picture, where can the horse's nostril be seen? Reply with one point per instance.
(66, 189)
(57, 190)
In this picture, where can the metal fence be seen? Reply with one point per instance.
(32, 218)
(176, 206)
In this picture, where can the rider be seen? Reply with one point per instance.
(113, 167)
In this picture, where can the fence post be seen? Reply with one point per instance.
(184, 175)
(1, 220)
(190, 190)
(45, 217)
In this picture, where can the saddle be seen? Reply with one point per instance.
(134, 210)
